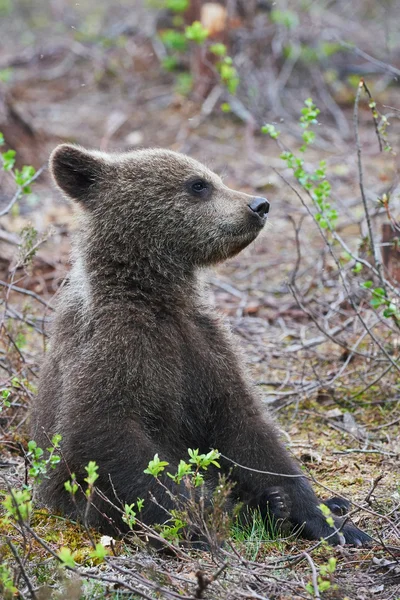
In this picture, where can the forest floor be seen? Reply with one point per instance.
(337, 416)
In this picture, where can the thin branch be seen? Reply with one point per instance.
(19, 192)
(314, 575)
(25, 292)
(23, 571)
(361, 183)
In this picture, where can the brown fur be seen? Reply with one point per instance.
(139, 363)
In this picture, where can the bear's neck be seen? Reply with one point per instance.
(106, 280)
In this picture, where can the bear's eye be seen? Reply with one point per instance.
(199, 186)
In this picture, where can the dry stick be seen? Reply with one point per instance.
(329, 335)
(23, 571)
(369, 58)
(14, 314)
(143, 581)
(297, 229)
(385, 425)
(376, 124)
(333, 255)
(373, 486)
(287, 475)
(372, 383)
(361, 451)
(204, 582)
(314, 576)
(361, 86)
(364, 262)
(15, 288)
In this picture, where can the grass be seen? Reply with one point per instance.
(255, 536)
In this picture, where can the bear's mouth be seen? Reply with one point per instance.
(241, 241)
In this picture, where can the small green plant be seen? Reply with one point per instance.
(325, 577)
(7, 587)
(177, 6)
(191, 474)
(318, 188)
(314, 183)
(39, 465)
(22, 178)
(130, 514)
(4, 399)
(196, 32)
(72, 485)
(156, 466)
(380, 299)
(18, 505)
(174, 40)
(92, 476)
(228, 74)
(197, 463)
(99, 553)
(173, 531)
(66, 558)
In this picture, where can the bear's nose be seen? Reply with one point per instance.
(259, 205)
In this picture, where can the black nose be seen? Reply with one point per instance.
(259, 205)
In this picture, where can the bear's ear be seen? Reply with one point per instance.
(77, 171)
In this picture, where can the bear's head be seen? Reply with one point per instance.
(156, 205)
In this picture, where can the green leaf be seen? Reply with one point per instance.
(169, 63)
(379, 292)
(377, 302)
(184, 83)
(100, 552)
(66, 557)
(155, 466)
(218, 49)
(71, 486)
(177, 6)
(390, 310)
(8, 159)
(196, 32)
(331, 564)
(56, 439)
(175, 40)
(91, 470)
(226, 107)
(367, 285)
(129, 516)
(270, 130)
(324, 585)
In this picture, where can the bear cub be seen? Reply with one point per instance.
(139, 363)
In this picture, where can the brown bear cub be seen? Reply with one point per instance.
(139, 363)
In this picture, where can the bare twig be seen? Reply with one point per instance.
(25, 292)
(361, 184)
(314, 575)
